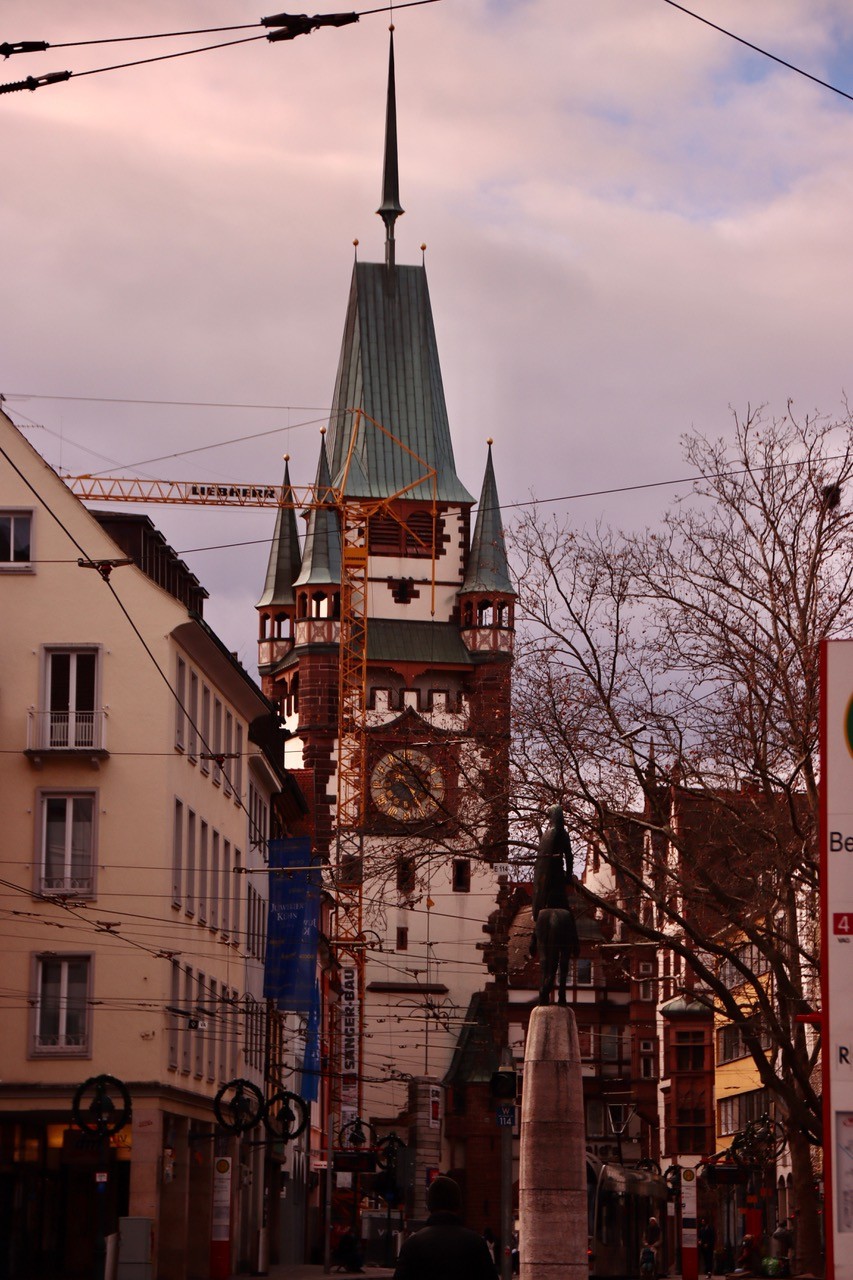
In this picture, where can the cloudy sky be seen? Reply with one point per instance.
(633, 224)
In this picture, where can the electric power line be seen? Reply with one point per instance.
(764, 52)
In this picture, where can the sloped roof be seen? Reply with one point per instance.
(476, 1056)
(391, 641)
(389, 368)
(488, 568)
(321, 556)
(285, 560)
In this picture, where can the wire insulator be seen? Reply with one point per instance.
(36, 82)
(23, 46)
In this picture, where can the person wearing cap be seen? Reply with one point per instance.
(445, 1249)
(651, 1240)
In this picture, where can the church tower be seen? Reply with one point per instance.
(439, 642)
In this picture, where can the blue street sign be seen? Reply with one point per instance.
(505, 1115)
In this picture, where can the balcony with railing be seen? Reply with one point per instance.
(66, 733)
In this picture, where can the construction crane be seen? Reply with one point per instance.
(354, 516)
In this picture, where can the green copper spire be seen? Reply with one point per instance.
(284, 559)
(390, 208)
(321, 558)
(488, 568)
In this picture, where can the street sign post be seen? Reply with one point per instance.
(836, 957)
(505, 1115)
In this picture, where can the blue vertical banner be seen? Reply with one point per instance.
(292, 925)
(309, 1080)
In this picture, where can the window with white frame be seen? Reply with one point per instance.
(228, 750)
(734, 1114)
(199, 1030)
(212, 1032)
(217, 741)
(203, 844)
(236, 902)
(213, 920)
(174, 1020)
(238, 760)
(186, 1033)
(583, 971)
(192, 726)
(258, 820)
(67, 842)
(16, 535)
(205, 729)
(233, 1030)
(61, 1005)
(71, 717)
(180, 704)
(189, 902)
(178, 855)
(225, 897)
(732, 1044)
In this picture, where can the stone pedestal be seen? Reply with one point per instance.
(552, 1185)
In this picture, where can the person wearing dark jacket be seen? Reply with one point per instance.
(444, 1249)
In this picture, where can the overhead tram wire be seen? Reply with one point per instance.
(764, 52)
(285, 27)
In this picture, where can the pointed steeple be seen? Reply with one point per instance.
(321, 557)
(488, 568)
(390, 208)
(285, 559)
(389, 367)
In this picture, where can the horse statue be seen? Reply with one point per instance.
(555, 935)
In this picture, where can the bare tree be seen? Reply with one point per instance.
(667, 683)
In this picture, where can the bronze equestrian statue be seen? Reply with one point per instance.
(555, 936)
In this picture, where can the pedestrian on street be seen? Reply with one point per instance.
(444, 1247)
(707, 1241)
(491, 1244)
(652, 1241)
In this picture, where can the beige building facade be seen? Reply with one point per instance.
(136, 806)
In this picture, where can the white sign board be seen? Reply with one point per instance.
(837, 950)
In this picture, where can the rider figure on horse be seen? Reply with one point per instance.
(555, 935)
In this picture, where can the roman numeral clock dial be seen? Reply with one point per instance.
(407, 785)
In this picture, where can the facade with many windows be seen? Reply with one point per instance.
(138, 796)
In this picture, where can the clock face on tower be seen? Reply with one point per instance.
(407, 785)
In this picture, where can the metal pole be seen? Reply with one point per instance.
(506, 1203)
(327, 1234)
(505, 1265)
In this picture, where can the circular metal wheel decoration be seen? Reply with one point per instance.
(101, 1105)
(759, 1143)
(286, 1115)
(388, 1150)
(238, 1106)
(358, 1135)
